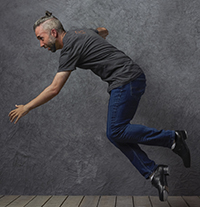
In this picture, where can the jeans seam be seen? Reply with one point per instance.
(147, 169)
(115, 110)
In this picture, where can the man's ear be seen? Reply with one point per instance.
(54, 33)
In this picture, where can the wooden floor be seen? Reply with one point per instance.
(97, 201)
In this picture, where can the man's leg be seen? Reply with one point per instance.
(125, 136)
(123, 104)
(138, 158)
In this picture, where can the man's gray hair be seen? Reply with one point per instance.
(50, 22)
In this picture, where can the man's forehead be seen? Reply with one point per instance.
(39, 31)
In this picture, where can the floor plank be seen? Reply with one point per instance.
(107, 201)
(72, 201)
(124, 201)
(192, 201)
(5, 200)
(177, 201)
(157, 203)
(38, 201)
(21, 201)
(55, 201)
(90, 201)
(97, 201)
(141, 201)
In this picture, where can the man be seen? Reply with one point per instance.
(88, 49)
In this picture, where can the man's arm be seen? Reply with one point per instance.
(102, 31)
(48, 93)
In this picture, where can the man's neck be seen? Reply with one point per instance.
(62, 35)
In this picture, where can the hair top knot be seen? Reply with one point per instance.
(48, 14)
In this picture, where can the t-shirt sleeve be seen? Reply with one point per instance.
(68, 61)
(95, 30)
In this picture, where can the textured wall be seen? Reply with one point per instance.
(61, 147)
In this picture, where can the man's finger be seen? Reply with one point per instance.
(17, 120)
(11, 113)
(13, 117)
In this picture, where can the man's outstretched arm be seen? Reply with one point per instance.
(48, 93)
(102, 31)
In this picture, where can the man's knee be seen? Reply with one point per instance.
(113, 134)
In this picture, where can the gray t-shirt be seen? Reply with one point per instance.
(85, 49)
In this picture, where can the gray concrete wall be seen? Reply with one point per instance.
(61, 147)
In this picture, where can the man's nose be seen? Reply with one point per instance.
(41, 44)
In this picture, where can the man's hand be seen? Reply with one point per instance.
(103, 32)
(46, 95)
(20, 111)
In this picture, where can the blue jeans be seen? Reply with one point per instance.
(122, 106)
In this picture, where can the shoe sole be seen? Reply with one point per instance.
(185, 136)
(165, 195)
(166, 190)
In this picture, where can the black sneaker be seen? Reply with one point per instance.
(181, 148)
(159, 181)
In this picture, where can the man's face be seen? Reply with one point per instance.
(45, 38)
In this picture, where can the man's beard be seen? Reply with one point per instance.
(52, 44)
